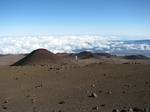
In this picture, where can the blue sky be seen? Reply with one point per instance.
(43, 17)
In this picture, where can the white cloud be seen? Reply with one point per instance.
(26, 44)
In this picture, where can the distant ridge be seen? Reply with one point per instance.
(39, 56)
(85, 55)
(103, 55)
(135, 57)
(43, 56)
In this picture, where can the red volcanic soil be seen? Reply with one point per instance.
(39, 56)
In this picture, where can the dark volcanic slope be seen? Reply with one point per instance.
(135, 57)
(85, 55)
(103, 55)
(38, 56)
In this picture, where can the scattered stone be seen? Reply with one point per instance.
(136, 109)
(130, 110)
(146, 110)
(104, 74)
(6, 101)
(39, 86)
(93, 85)
(50, 68)
(126, 63)
(127, 85)
(123, 92)
(93, 95)
(102, 105)
(61, 102)
(124, 107)
(59, 110)
(95, 108)
(4, 107)
(33, 100)
(42, 65)
(100, 91)
(16, 78)
(109, 92)
(146, 82)
(115, 110)
(28, 96)
(123, 110)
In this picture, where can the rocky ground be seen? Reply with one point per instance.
(83, 86)
(69, 88)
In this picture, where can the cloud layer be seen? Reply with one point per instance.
(59, 44)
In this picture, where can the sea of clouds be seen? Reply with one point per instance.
(71, 44)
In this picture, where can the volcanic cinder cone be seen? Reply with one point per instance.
(39, 56)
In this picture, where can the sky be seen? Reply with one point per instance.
(44, 17)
